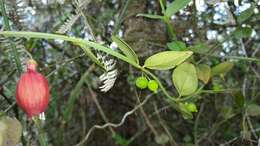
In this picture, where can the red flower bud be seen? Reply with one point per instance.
(32, 91)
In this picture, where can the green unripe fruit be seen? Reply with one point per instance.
(152, 85)
(141, 82)
(191, 107)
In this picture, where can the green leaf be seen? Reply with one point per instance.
(257, 17)
(185, 79)
(226, 112)
(253, 110)
(239, 99)
(242, 32)
(120, 140)
(176, 46)
(162, 139)
(175, 6)
(203, 72)
(245, 14)
(187, 139)
(126, 49)
(3, 129)
(150, 16)
(200, 48)
(1, 114)
(222, 68)
(91, 55)
(185, 111)
(191, 107)
(10, 131)
(166, 60)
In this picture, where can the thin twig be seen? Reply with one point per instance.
(242, 58)
(215, 126)
(228, 142)
(101, 111)
(195, 129)
(148, 122)
(93, 95)
(61, 64)
(251, 125)
(6, 98)
(144, 128)
(120, 18)
(113, 124)
(235, 138)
(10, 107)
(9, 76)
(164, 126)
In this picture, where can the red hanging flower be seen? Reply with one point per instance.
(32, 91)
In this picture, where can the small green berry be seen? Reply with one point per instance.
(191, 107)
(152, 85)
(141, 82)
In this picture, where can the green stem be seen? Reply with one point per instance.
(119, 20)
(170, 31)
(192, 95)
(6, 21)
(237, 57)
(79, 41)
(162, 6)
(159, 83)
(7, 27)
(42, 139)
(76, 41)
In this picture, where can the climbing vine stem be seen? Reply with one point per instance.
(79, 42)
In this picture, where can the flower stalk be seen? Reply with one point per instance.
(42, 138)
